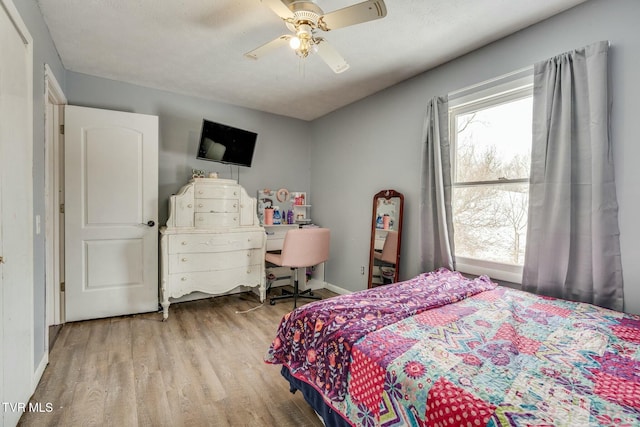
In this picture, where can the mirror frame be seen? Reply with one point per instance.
(385, 194)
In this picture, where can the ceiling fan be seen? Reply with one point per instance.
(304, 18)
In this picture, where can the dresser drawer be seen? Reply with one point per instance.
(216, 220)
(214, 282)
(217, 205)
(204, 191)
(223, 242)
(212, 261)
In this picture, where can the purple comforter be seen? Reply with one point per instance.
(315, 340)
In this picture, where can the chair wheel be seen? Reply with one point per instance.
(272, 302)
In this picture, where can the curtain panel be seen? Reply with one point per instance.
(436, 226)
(573, 248)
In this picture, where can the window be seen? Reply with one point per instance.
(491, 156)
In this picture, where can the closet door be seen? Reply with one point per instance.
(16, 214)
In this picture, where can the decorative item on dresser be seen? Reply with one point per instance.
(213, 241)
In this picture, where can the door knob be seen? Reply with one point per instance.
(151, 223)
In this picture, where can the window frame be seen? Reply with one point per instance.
(505, 89)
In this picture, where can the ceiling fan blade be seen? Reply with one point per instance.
(281, 9)
(331, 56)
(268, 47)
(351, 15)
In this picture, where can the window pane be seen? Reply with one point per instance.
(490, 221)
(494, 143)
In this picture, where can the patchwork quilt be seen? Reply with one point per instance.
(487, 356)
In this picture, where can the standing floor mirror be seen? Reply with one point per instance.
(386, 237)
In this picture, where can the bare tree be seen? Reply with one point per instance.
(477, 217)
(516, 204)
(489, 219)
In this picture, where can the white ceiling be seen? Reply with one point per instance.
(196, 47)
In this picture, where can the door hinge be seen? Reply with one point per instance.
(61, 286)
(1, 260)
(61, 207)
(61, 129)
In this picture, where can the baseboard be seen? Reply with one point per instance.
(336, 289)
(37, 375)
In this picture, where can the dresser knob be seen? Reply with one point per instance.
(184, 260)
(184, 279)
(189, 205)
(184, 243)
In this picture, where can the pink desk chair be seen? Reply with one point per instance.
(302, 247)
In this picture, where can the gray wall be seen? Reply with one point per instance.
(375, 143)
(44, 52)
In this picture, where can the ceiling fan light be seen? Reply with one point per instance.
(294, 43)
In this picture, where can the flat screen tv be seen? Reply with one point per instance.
(226, 144)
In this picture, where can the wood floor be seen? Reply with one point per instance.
(202, 367)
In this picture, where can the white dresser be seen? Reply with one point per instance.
(212, 243)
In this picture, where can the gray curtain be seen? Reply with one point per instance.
(573, 247)
(436, 227)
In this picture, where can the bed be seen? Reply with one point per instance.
(444, 350)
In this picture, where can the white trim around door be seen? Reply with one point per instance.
(54, 199)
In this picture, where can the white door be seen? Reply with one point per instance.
(16, 214)
(111, 213)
